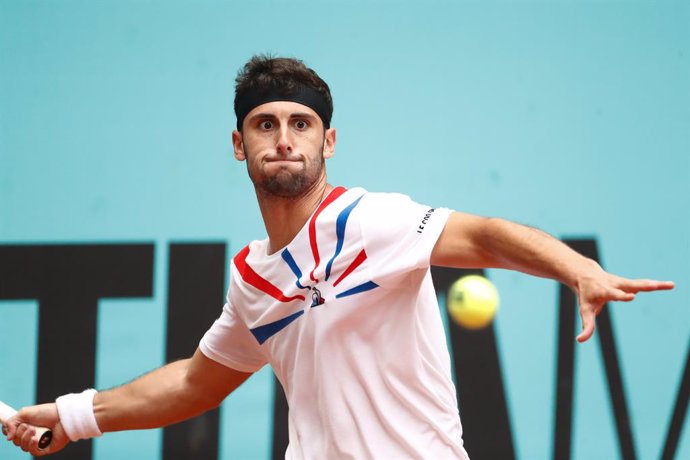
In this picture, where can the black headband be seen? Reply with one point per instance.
(303, 95)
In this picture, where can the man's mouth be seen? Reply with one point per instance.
(283, 160)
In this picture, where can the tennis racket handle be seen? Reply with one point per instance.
(44, 435)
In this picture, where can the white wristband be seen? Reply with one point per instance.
(76, 415)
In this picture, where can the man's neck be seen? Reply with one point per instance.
(285, 217)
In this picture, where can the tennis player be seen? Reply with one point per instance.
(338, 299)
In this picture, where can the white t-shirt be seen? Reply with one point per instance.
(347, 316)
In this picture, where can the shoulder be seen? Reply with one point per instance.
(385, 201)
(256, 248)
(391, 207)
(396, 216)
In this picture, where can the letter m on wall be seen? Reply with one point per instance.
(563, 428)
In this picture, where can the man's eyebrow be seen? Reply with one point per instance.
(262, 115)
(270, 116)
(302, 115)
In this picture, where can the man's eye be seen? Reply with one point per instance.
(266, 124)
(301, 124)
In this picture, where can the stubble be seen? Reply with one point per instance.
(288, 184)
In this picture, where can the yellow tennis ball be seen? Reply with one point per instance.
(472, 301)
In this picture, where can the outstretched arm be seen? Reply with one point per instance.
(170, 394)
(469, 241)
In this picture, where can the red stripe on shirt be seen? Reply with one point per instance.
(252, 278)
(361, 257)
(335, 193)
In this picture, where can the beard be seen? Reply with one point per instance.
(286, 183)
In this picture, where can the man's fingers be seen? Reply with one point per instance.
(28, 438)
(18, 434)
(14, 431)
(633, 286)
(588, 320)
(33, 448)
(9, 429)
(621, 296)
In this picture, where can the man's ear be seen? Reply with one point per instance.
(329, 143)
(238, 146)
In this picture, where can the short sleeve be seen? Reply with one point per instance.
(230, 343)
(399, 234)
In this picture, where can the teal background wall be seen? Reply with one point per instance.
(573, 116)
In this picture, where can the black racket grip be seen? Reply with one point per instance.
(45, 439)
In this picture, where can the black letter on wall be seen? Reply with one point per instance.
(196, 283)
(478, 380)
(680, 411)
(280, 421)
(68, 281)
(566, 356)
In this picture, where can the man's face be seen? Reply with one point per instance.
(285, 145)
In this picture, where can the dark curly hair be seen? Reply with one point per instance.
(264, 73)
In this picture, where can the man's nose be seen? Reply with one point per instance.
(284, 144)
